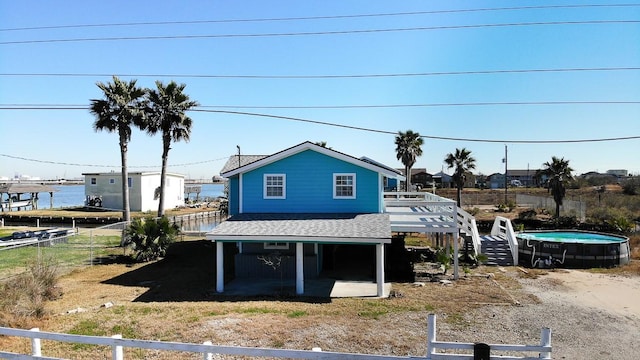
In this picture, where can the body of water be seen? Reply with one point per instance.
(73, 195)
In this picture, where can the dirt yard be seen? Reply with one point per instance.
(593, 315)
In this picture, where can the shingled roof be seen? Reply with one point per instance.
(370, 228)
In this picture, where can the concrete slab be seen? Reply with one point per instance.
(321, 288)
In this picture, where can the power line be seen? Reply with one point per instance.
(318, 33)
(438, 73)
(106, 166)
(423, 136)
(492, 103)
(188, 22)
(325, 123)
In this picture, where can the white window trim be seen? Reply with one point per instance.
(276, 246)
(284, 186)
(335, 196)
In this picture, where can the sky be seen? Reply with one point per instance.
(529, 76)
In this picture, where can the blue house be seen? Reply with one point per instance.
(301, 212)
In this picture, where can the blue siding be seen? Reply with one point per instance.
(309, 186)
(233, 195)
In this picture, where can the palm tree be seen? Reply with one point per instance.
(121, 107)
(558, 171)
(166, 114)
(463, 162)
(408, 149)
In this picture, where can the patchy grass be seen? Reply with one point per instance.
(78, 250)
(172, 300)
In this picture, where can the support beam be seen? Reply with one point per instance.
(219, 266)
(299, 268)
(380, 269)
(456, 243)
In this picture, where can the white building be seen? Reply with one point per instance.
(144, 190)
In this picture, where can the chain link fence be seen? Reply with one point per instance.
(575, 208)
(66, 248)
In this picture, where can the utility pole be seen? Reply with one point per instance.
(506, 181)
(239, 164)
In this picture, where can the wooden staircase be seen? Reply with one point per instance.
(497, 250)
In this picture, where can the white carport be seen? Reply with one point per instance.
(362, 229)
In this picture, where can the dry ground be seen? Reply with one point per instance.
(173, 300)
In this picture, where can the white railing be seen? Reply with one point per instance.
(467, 224)
(544, 349)
(502, 227)
(413, 196)
(420, 212)
(207, 349)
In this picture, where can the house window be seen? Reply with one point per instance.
(112, 181)
(276, 246)
(94, 181)
(130, 182)
(275, 186)
(344, 186)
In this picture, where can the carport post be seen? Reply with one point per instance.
(380, 269)
(299, 268)
(219, 266)
(456, 249)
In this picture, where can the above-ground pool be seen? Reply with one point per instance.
(571, 249)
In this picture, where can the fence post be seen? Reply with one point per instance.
(208, 355)
(116, 352)
(431, 335)
(35, 344)
(91, 247)
(545, 340)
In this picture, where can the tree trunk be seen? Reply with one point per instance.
(166, 144)
(126, 208)
(407, 181)
(459, 193)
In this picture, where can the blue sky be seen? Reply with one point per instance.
(64, 143)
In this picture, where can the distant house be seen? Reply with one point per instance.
(105, 190)
(527, 177)
(313, 208)
(442, 180)
(419, 177)
(495, 181)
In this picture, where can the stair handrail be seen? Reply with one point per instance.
(502, 227)
(467, 224)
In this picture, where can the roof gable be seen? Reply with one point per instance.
(265, 160)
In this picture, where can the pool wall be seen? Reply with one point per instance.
(576, 255)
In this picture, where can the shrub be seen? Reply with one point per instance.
(23, 297)
(150, 238)
(527, 214)
(611, 219)
(564, 222)
(631, 186)
(472, 211)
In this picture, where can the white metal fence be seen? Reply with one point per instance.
(207, 349)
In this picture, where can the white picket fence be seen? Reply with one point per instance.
(207, 349)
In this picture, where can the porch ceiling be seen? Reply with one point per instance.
(333, 228)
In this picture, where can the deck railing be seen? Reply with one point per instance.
(467, 224)
(502, 227)
(420, 212)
